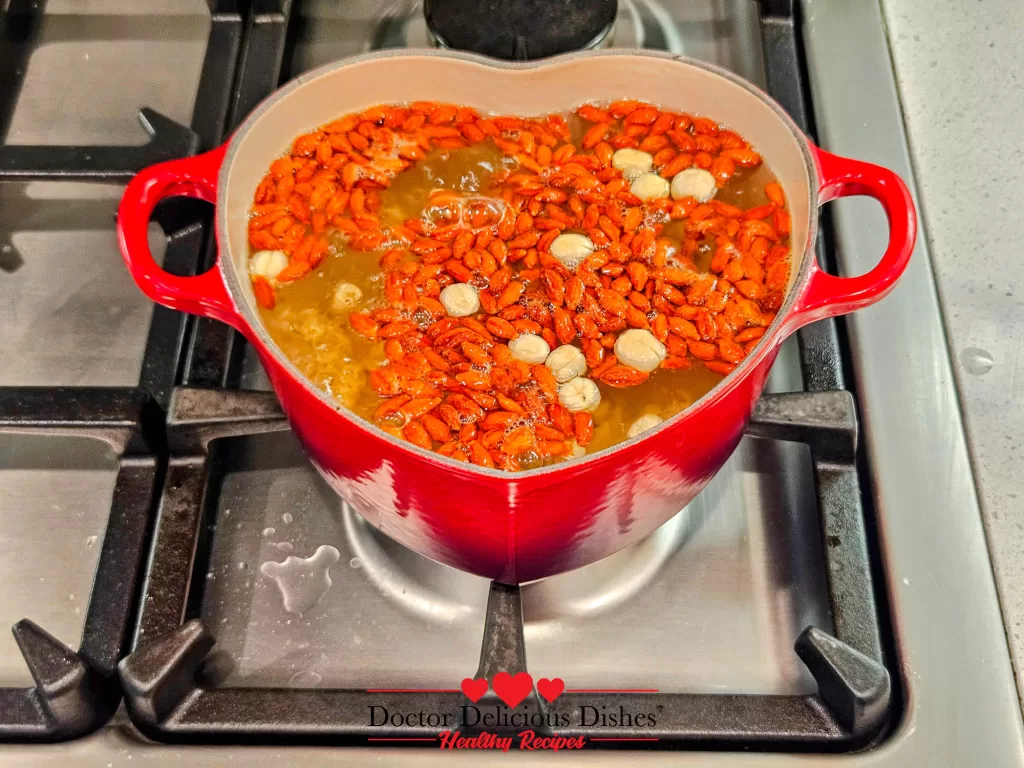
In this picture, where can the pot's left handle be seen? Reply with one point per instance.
(196, 177)
(827, 295)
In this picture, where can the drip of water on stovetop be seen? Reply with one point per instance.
(302, 581)
(976, 361)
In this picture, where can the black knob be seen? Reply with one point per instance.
(519, 29)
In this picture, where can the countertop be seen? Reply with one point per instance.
(960, 69)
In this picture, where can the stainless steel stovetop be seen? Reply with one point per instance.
(711, 603)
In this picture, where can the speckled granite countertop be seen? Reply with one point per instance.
(960, 68)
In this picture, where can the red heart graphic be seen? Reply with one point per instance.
(474, 689)
(512, 690)
(550, 689)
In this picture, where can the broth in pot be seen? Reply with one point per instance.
(512, 291)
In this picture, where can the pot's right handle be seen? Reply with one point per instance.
(196, 177)
(827, 295)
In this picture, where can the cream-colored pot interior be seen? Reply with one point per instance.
(555, 85)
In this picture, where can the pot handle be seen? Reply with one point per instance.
(196, 177)
(827, 295)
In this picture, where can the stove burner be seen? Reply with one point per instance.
(521, 30)
(403, 25)
(440, 594)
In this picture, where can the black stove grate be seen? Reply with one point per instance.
(855, 698)
(215, 348)
(77, 691)
(165, 701)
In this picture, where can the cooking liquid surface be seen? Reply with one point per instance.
(330, 353)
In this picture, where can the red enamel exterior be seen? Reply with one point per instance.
(520, 527)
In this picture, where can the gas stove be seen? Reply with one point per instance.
(186, 587)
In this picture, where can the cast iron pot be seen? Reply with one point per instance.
(514, 527)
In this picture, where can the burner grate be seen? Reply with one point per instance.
(165, 701)
(76, 692)
(185, 222)
(167, 140)
(214, 347)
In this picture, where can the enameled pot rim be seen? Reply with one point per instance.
(765, 346)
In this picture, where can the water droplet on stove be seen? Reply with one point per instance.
(976, 361)
(91, 540)
(287, 517)
(355, 562)
(906, 581)
(285, 546)
(269, 531)
(242, 566)
(305, 678)
(302, 581)
(71, 597)
(5, 248)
